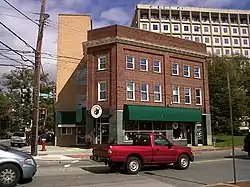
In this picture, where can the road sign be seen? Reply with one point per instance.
(96, 111)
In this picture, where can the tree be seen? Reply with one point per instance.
(219, 99)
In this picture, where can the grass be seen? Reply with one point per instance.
(226, 140)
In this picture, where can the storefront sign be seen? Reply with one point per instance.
(96, 111)
(175, 125)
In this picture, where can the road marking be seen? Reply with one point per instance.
(67, 165)
(208, 161)
(38, 166)
(75, 161)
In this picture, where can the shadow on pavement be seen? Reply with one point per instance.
(174, 178)
(26, 181)
(243, 157)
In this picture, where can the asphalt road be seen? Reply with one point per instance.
(208, 168)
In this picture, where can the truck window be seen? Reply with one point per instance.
(160, 141)
(141, 139)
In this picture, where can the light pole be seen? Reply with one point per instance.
(231, 123)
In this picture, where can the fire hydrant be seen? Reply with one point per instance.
(43, 144)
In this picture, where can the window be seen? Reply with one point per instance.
(216, 29)
(66, 130)
(176, 95)
(130, 62)
(234, 30)
(145, 26)
(102, 62)
(206, 29)
(198, 97)
(227, 51)
(144, 92)
(197, 39)
(197, 72)
(175, 69)
(157, 66)
(245, 42)
(225, 30)
(217, 40)
(207, 40)
(165, 27)
(157, 93)
(155, 27)
(217, 51)
(187, 38)
(179, 131)
(131, 90)
(246, 53)
(186, 28)
(244, 31)
(187, 95)
(226, 41)
(196, 28)
(176, 28)
(81, 76)
(236, 41)
(144, 64)
(160, 141)
(186, 70)
(102, 91)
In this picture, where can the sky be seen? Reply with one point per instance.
(103, 13)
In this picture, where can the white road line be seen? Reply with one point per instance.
(208, 161)
(75, 161)
(67, 165)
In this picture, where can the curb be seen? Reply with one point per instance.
(228, 184)
(213, 150)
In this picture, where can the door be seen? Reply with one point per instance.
(162, 152)
(80, 139)
(102, 132)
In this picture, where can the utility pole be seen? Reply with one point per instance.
(34, 139)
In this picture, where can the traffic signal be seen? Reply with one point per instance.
(23, 96)
(28, 98)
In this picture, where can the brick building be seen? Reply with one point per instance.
(146, 82)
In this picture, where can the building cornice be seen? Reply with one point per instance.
(129, 41)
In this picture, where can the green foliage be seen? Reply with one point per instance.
(219, 68)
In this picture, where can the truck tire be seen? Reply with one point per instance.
(183, 162)
(133, 165)
(9, 175)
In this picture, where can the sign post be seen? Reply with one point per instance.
(214, 141)
(96, 112)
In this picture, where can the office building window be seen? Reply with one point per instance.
(198, 96)
(236, 41)
(226, 41)
(144, 64)
(130, 62)
(144, 92)
(130, 90)
(187, 95)
(244, 31)
(206, 29)
(145, 26)
(227, 51)
(155, 27)
(225, 30)
(235, 31)
(175, 69)
(196, 28)
(197, 72)
(102, 62)
(157, 66)
(176, 27)
(186, 70)
(165, 27)
(102, 91)
(197, 39)
(245, 42)
(186, 28)
(246, 53)
(217, 40)
(176, 95)
(216, 29)
(207, 41)
(217, 51)
(157, 93)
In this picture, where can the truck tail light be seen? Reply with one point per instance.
(109, 151)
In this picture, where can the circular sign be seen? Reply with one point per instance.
(96, 111)
(175, 125)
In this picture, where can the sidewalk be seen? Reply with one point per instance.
(201, 149)
(238, 184)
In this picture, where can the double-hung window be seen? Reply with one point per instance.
(102, 63)
(130, 62)
(187, 95)
(176, 95)
(144, 92)
(175, 68)
(144, 64)
(157, 66)
(130, 90)
(186, 70)
(198, 96)
(197, 72)
(157, 93)
(102, 91)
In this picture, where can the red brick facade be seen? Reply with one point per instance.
(116, 75)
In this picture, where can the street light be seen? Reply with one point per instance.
(232, 127)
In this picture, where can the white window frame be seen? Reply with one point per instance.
(199, 72)
(99, 91)
(144, 91)
(159, 66)
(178, 95)
(133, 90)
(189, 95)
(175, 63)
(158, 92)
(198, 96)
(144, 64)
(99, 63)
(188, 71)
(133, 62)
(68, 132)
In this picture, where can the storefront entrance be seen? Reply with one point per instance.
(80, 135)
(102, 132)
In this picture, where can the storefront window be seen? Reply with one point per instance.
(179, 131)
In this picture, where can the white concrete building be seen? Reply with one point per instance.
(224, 31)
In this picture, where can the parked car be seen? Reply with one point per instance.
(19, 139)
(15, 166)
(146, 149)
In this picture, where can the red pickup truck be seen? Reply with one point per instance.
(146, 149)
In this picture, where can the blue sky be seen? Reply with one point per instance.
(103, 13)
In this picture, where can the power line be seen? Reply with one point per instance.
(12, 65)
(15, 60)
(21, 12)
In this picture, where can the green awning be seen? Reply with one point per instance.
(66, 117)
(80, 115)
(158, 113)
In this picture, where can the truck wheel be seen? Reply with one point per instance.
(114, 166)
(9, 175)
(183, 162)
(133, 165)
